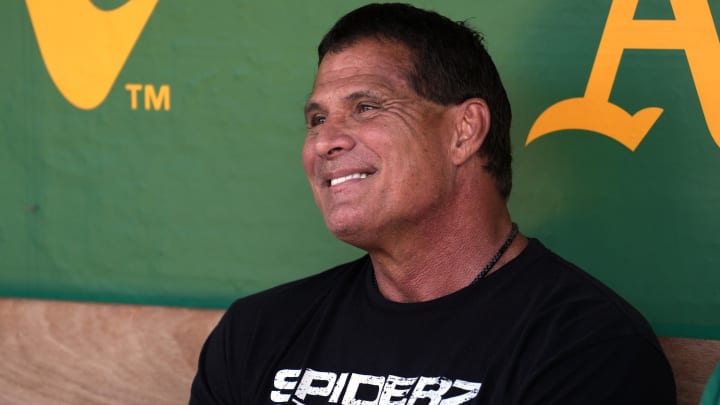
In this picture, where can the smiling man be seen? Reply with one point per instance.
(408, 157)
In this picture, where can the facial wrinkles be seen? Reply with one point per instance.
(346, 72)
(396, 104)
(401, 143)
(411, 113)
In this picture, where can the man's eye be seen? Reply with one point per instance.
(317, 120)
(366, 107)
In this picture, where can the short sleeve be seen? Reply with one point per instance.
(625, 370)
(211, 385)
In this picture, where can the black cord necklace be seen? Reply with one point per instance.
(498, 254)
(491, 263)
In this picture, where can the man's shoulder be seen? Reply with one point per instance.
(554, 272)
(565, 294)
(576, 320)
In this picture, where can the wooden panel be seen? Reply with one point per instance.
(79, 353)
(693, 360)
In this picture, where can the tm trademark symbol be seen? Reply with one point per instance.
(154, 99)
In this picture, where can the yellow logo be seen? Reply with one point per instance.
(692, 30)
(84, 47)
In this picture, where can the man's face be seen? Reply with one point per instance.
(376, 153)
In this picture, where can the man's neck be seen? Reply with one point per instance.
(430, 263)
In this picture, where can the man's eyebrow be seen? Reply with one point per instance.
(312, 106)
(362, 94)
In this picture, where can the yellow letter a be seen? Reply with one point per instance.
(692, 30)
(84, 48)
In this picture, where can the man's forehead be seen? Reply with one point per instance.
(359, 71)
(373, 46)
(365, 58)
(352, 87)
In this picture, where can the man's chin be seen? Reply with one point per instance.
(342, 230)
(351, 232)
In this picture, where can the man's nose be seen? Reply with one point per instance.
(335, 137)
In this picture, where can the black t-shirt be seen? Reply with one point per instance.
(537, 331)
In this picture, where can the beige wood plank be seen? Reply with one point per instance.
(81, 353)
(693, 360)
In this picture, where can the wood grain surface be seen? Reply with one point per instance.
(55, 352)
(693, 360)
(81, 353)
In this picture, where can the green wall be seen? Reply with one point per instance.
(207, 201)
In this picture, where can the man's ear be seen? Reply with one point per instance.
(471, 127)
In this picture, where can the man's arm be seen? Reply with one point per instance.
(626, 370)
(211, 384)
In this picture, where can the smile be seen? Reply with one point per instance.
(340, 180)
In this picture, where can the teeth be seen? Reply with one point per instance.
(340, 180)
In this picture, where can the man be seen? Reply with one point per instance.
(408, 156)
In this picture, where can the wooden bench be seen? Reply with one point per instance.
(82, 353)
(55, 352)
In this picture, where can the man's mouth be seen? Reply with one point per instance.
(343, 179)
